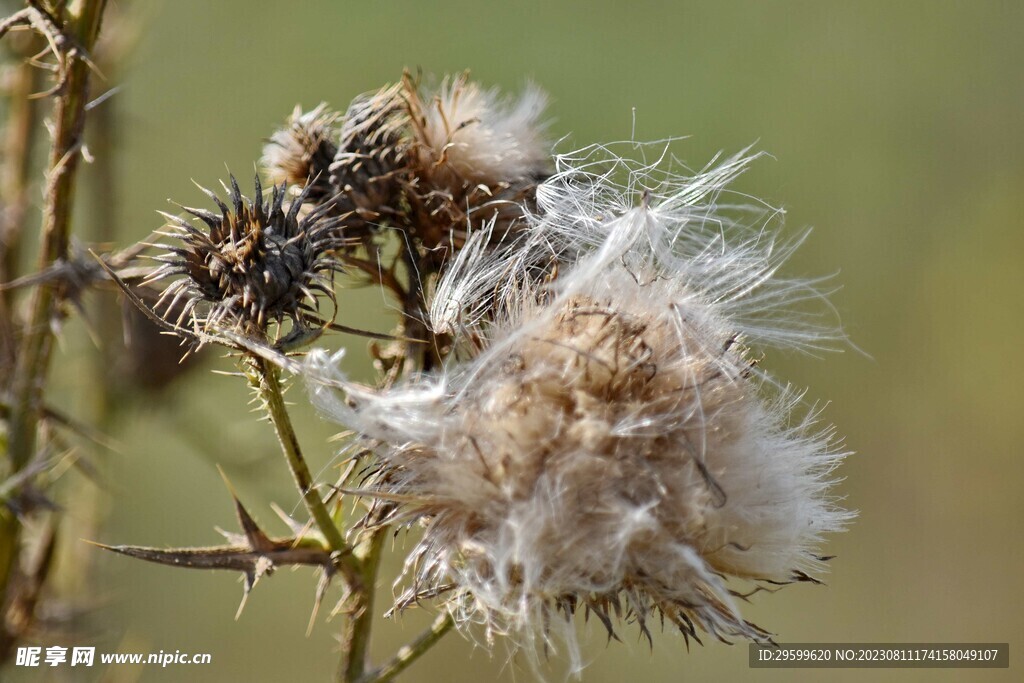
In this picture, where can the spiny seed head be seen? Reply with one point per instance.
(256, 262)
(301, 152)
(435, 163)
(366, 169)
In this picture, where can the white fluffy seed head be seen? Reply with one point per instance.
(474, 157)
(479, 135)
(607, 442)
(726, 246)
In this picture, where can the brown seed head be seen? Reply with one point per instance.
(258, 262)
(434, 163)
(301, 152)
(473, 157)
(369, 163)
(610, 451)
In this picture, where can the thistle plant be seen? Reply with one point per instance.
(570, 414)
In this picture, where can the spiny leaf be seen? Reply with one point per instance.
(252, 552)
(239, 558)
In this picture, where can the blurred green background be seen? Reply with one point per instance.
(896, 131)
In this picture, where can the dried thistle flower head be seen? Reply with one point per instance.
(608, 443)
(367, 168)
(300, 154)
(467, 134)
(435, 163)
(475, 156)
(351, 162)
(257, 262)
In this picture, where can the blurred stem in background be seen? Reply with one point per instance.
(19, 140)
(69, 35)
(112, 391)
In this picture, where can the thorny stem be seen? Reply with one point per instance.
(18, 144)
(37, 344)
(82, 24)
(268, 382)
(408, 654)
(360, 564)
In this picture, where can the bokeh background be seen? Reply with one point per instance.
(895, 130)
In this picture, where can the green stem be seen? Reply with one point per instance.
(268, 381)
(356, 638)
(408, 654)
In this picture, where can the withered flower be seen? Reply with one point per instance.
(368, 168)
(257, 262)
(434, 163)
(299, 154)
(474, 157)
(607, 443)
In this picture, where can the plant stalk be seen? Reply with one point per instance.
(19, 142)
(32, 366)
(416, 358)
(408, 654)
(268, 380)
(358, 629)
(82, 25)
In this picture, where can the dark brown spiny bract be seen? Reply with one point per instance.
(257, 262)
(369, 163)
